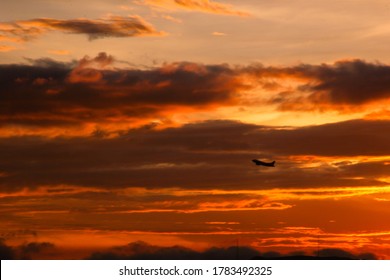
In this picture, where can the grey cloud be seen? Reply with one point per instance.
(352, 82)
(27, 251)
(6, 252)
(143, 251)
(114, 26)
(213, 154)
(337, 86)
(34, 250)
(54, 93)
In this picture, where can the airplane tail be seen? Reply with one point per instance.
(273, 163)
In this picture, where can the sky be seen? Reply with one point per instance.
(127, 128)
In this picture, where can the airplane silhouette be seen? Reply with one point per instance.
(268, 164)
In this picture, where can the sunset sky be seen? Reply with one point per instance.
(130, 125)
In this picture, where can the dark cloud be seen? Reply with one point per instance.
(324, 254)
(35, 247)
(351, 82)
(337, 86)
(338, 253)
(213, 154)
(56, 94)
(27, 251)
(6, 252)
(114, 26)
(17, 233)
(349, 138)
(34, 250)
(51, 93)
(366, 169)
(143, 251)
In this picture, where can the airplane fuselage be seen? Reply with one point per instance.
(268, 164)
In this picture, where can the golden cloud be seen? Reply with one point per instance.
(113, 26)
(204, 6)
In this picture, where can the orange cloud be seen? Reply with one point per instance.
(126, 178)
(171, 18)
(59, 52)
(103, 95)
(195, 216)
(94, 92)
(113, 26)
(6, 38)
(85, 71)
(218, 34)
(205, 6)
(344, 86)
(4, 48)
(378, 115)
(20, 31)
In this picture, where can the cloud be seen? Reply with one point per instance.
(85, 71)
(19, 32)
(218, 33)
(34, 250)
(59, 52)
(5, 48)
(144, 251)
(338, 253)
(324, 254)
(205, 6)
(203, 155)
(171, 18)
(352, 82)
(141, 250)
(6, 252)
(50, 97)
(17, 234)
(340, 86)
(76, 93)
(347, 138)
(113, 26)
(45, 103)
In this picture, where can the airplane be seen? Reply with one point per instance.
(268, 164)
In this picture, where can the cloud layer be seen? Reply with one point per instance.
(92, 91)
(345, 83)
(205, 6)
(144, 251)
(56, 94)
(140, 250)
(113, 26)
(159, 175)
(210, 154)
(119, 107)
